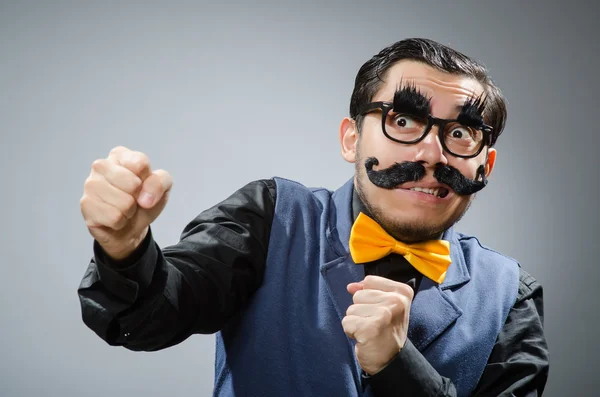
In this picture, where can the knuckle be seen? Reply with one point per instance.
(396, 299)
(98, 165)
(406, 290)
(84, 201)
(361, 293)
(87, 182)
(117, 149)
(140, 161)
(129, 203)
(347, 325)
(90, 222)
(386, 314)
(115, 218)
(92, 184)
(345, 322)
(406, 301)
(135, 183)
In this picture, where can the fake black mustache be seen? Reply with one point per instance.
(408, 171)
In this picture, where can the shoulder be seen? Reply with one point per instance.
(473, 248)
(260, 191)
(297, 191)
(529, 287)
(295, 185)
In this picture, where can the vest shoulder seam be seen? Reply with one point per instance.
(309, 189)
(465, 237)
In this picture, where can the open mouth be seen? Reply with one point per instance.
(440, 192)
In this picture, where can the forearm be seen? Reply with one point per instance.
(410, 374)
(155, 298)
(151, 304)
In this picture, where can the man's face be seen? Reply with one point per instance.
(411, 215)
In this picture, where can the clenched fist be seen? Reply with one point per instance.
(121, 197)
(378, 320)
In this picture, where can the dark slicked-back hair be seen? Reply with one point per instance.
(371, 75)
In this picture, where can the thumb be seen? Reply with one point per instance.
(144, 217)
(355, 287)
(154, 188)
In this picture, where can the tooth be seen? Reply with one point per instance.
(434, 192)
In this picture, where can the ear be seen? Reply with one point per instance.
(348, 139)
(491, 161)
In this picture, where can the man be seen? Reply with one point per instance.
(367, 290)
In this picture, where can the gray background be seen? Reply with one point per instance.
(223, 94)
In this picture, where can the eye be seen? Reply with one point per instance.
(460, 133)
(405, 121)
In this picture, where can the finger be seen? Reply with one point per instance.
(136, 162)
(362, 310)
(98, 213)
(115, 152)
(369, 296)
(99, 188)
(385, 284)
(351, 325)
(354, 287)
(154, 187)
(118, 176)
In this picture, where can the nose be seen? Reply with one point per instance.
(430, 151)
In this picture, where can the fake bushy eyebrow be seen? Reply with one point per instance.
(407, 99)
(471, 112)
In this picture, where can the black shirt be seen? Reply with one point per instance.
(155, 299)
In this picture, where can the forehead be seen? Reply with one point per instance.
(445, 90)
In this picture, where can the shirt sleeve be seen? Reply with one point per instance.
(518, 364)
(157, 298)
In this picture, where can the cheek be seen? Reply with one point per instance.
(467, 167)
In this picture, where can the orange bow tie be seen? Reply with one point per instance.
(369, 242)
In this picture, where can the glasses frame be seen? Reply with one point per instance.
(385, 108)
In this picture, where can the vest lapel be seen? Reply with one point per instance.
(433, 310)
(341, 270)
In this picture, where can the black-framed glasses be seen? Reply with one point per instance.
(457, 139)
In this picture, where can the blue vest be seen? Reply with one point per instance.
(290, 341)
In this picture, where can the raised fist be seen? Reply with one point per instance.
(122, 196)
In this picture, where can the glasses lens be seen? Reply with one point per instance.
(404, 127)
(462, 140)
